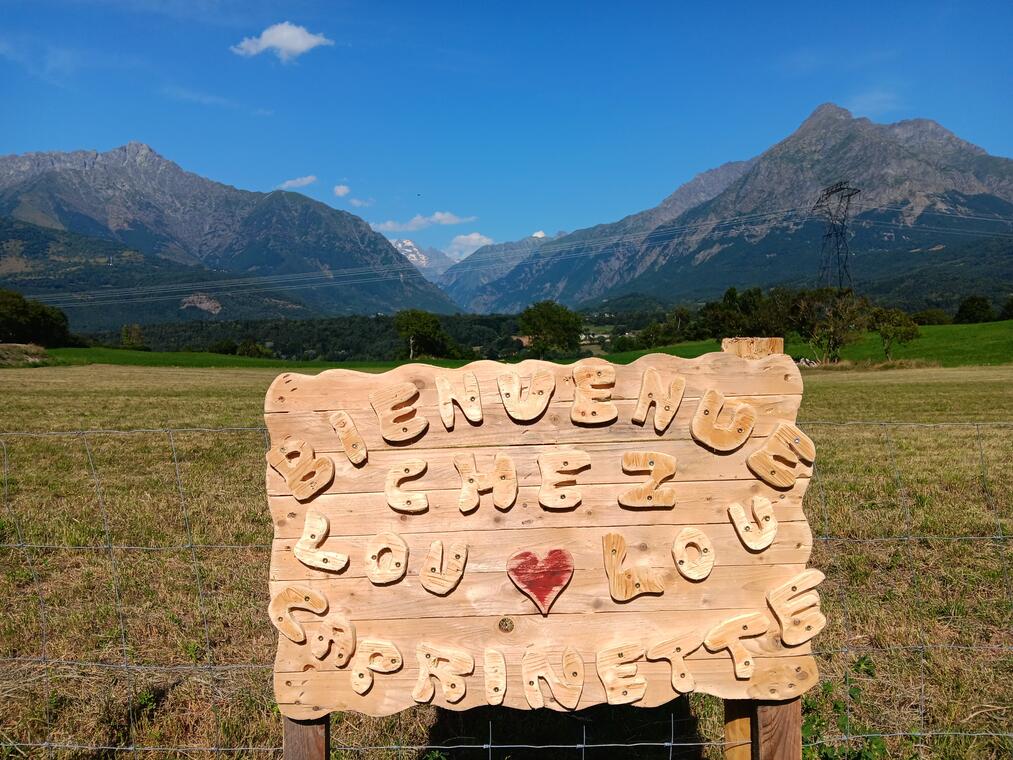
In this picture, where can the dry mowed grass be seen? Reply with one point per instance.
(914, 523)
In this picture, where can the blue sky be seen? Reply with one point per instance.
(457, 123)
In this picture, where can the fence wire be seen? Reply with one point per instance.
(910, 523)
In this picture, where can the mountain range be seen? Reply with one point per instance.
(236, 247)
(927, 199)
(129, 235)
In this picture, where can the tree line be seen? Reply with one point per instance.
(825, 318)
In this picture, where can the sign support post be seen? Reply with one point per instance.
(307, 739)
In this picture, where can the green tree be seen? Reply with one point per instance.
(974, 309)
(424, 335)
(551, 326)
(932, 317)
(131, 336)
(25, 320)
(250, 347)
(829, 319)
(895, 327)
(1007, 309)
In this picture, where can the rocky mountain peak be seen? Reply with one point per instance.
(825, 114)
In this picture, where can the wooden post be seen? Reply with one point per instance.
(778, 730)
(739, 714)
(757, 730)
(307, 739)
(753, 348)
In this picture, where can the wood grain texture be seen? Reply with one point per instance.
(778, 730)
(739, 716)
(307, 739)
(514, 533)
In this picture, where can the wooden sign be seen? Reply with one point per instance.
(540, 535)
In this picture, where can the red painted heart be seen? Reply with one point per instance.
(542, 580)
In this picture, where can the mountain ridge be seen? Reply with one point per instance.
(758, 230)
(134, 196)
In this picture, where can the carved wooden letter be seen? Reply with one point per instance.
(502, 481)
(291, 598)
(467, 397)
(447, 665)
(675, 650)
(797, 608)
(439, 578)
(351, 441)
(774, 463)
(617, 669)
(559, 478)
(411, 502)
(693, 554)
(728, 435)
(650, 495)
(759, 535)
(373, 656)
(626, 584)
(524, 404)
(729, 634)
(664, 399)
(565, 690)
(336, 630)
(399, 420)
(306, 474)
(307, 549)
(386, 558)
(592, 394)
(495, 676)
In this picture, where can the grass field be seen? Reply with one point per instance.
(946, 345)
(920, 638)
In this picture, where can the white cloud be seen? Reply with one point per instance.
(419, 222)
(286, 40)
(875, 102)
(288, 184)
(465, 245)
(539, 234)
(340, 191)
(361, 202)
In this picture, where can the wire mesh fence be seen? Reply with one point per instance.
(134, 585)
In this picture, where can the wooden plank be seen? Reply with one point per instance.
(305, 694)
(698, 503)
(778, 731)
(494, 594)
(732, 375)
(649, 545)
(739, 715)
(308, 739)
(511, 634)
(693, 463)
(316, 428)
